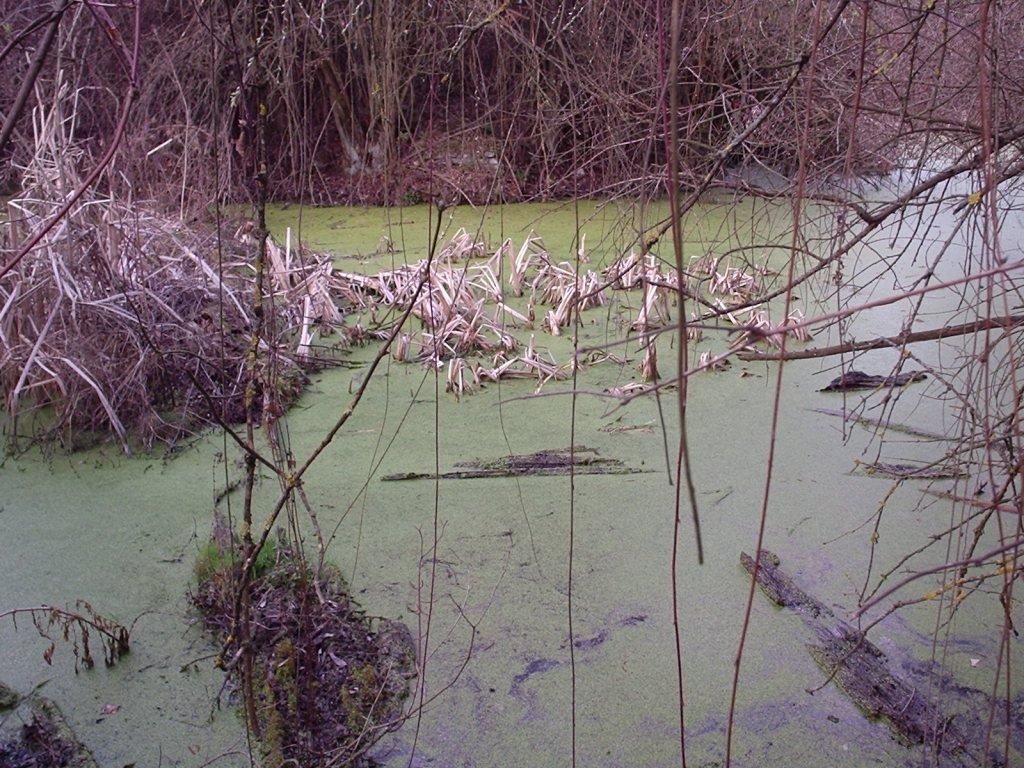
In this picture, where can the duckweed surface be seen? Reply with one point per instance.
(491, 573)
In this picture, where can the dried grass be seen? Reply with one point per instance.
(124, 322)
(464, 316)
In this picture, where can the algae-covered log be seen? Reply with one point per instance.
(862, 671)
(866, 678)
(853, 380)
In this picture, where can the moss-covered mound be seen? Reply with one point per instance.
(328, 681)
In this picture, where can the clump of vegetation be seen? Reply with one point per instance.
(44, 740)
(328, 680)
(126, 324)
(217, 561)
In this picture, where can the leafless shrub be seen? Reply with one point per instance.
(121, 321)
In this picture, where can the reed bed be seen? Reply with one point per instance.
(470, 334)
(123, 322)
(463, 313)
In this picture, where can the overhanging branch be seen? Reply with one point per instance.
(975, 326)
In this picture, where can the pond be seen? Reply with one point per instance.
(493, 573)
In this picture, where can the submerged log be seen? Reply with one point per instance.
(578, 461)
(862, 671)
(910, 471)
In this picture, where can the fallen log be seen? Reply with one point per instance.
(862, 671)
(579, 461)
(934, 471)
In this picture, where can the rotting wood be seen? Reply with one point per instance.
(862, 671)
(888, 425)
(578, 461)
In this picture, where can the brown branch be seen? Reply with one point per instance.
(975, 326)
(469, 31)
(74, 629)
(30, 78)
(24, 34)
(965, 563)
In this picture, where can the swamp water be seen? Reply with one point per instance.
(122, 533)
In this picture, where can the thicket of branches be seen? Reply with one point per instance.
(390, 101)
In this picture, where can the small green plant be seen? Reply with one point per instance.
(214, 559)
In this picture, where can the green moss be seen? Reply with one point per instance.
(279, 703)
(8, 697)
(365, 679)
(272, 741)
(359, 695)
(284, 675)
(333, 580)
